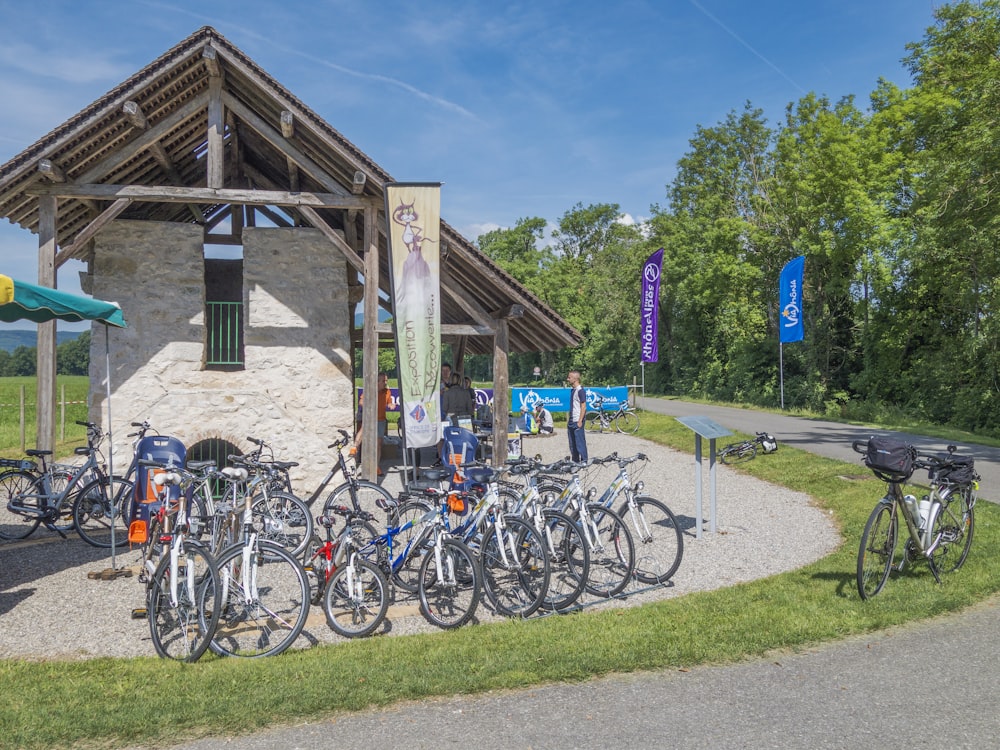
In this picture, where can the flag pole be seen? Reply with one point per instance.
(781, 373)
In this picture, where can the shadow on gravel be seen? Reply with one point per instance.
(32, 559)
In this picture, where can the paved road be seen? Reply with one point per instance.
(926, 685)
(831, 439)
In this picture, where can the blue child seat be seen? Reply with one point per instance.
(162, 449)
(458, 449)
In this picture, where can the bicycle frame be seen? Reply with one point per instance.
(573, 497)
(622, 485)
(49, 504)
(921, 541)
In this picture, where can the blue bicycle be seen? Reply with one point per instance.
(419, 554)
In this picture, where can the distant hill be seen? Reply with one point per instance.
(10, 340)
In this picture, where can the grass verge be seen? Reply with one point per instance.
(112, 702)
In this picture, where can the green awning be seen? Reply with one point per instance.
(22, 301)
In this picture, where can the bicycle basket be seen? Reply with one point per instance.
(889, 459)
(768, 443)
(958, 470)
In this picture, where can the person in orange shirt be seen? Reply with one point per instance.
(384, 403)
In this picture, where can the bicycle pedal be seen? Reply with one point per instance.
(139, 613)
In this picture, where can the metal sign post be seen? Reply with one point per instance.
(703, 427)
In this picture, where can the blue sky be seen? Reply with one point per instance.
(521, 109)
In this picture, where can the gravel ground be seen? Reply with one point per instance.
(49, 608)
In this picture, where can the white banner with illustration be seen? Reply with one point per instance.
(414, 222)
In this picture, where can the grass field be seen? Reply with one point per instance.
(116, 702)
(18, 393)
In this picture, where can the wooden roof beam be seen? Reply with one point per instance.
(290, 151)
(288, 132)
(210, 57)
(51, 171)
(358, 183)
(341, 244)
(127, 152)
(88, 232)
(135, 115)
(171, 194)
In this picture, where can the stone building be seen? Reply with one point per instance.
(202, 149)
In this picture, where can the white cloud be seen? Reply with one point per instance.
(86, 67)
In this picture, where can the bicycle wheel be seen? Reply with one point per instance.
(627, 422)
(515, 569)
(449, 600)
(363, 495)
(569, 560)
(356, 599)
(93, 512)
(659, 543)
(737, 453)
(13, 525)
(265, 600)
(953, 529)
(184, 630)
(878, 543)
(592, 422)
(283, 519)
(612, 554)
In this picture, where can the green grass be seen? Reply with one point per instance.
(108, 702)
(75, 388)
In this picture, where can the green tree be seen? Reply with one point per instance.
(951, 270)
(23, 361)
(73, 356)
(721, 233)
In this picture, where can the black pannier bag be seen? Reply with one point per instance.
(958, 470)
(890, 459)
(768, 443)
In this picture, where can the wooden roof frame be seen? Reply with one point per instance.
(202, 134)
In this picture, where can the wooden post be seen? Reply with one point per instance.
(214, 162)
(23, 445)
(463, 342)
(62, 413)
(501, 392)
(45, 410)
(369, 346)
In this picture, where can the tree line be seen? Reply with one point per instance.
(894, 207)
(72, 358)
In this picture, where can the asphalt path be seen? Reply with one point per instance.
(926, 685)
(830, 439)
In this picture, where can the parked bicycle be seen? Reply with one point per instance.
(562, 538)
(609, 541)
(183, 590)
(353, 492)
(746, 450)
(264, 590)
(655, 531)
(448, 579)
(940, 525)
(50, 494)
(625, 420)
(511, 552)
(355, 593)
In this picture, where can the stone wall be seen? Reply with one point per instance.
(295, 389)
